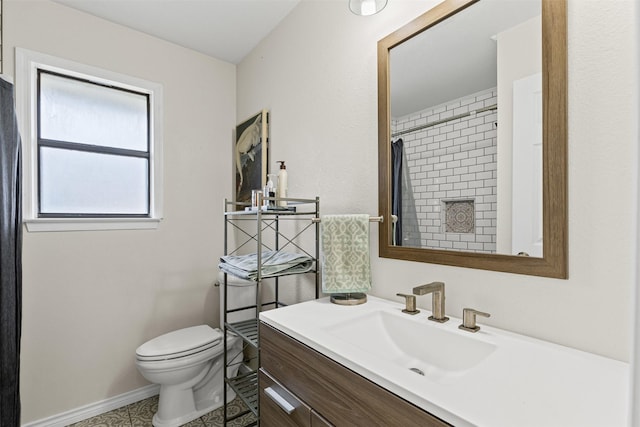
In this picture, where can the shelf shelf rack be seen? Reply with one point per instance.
(245, 384)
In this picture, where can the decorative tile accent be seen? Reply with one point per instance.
(459, 216)
(216, 418)
(140, 414)
(195, 423)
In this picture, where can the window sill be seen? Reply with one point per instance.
(90, 224)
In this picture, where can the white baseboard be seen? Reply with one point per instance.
(97, 408)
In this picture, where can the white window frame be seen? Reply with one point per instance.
(27, 64)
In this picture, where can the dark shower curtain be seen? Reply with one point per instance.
(10, 259)
(397, 149)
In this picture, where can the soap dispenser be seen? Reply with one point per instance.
(281, 190)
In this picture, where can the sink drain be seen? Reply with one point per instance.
(417, 371)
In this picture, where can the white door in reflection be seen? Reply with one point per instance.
(527, 166)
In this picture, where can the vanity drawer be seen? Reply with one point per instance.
(341, 396)
(274, 414)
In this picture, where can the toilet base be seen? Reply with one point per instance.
(167, 406)
(192, 386)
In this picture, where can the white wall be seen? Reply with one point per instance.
(90, 298)
(519, 55)
(635, 384)
(317, 74)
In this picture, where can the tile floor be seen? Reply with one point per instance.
(139, 414)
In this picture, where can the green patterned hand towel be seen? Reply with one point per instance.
(345, 247)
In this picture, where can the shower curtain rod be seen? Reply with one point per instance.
(448, 119)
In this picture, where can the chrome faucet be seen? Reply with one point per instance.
(437, 299)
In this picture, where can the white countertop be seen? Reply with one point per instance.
(523, 382)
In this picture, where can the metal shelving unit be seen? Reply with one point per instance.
(263, 230)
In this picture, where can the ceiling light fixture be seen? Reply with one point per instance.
(366, 7)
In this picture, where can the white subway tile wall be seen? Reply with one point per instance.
(451, 162)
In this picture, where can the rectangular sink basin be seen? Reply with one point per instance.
(490, 378)
(418, 345)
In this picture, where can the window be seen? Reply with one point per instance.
(92, 142)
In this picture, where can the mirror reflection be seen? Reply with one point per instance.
(466, 132)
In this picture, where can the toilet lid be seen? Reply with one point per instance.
(180, 343)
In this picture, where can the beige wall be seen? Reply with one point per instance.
(317, 74)
(90, 298)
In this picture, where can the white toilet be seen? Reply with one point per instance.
(188, 365)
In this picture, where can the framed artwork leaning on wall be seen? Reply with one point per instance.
(251, 155)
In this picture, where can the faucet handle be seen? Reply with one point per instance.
(469, 319)
(410, 304)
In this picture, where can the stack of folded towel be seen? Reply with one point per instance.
(274, 263)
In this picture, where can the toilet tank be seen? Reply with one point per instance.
(242, 293)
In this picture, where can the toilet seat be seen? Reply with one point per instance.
(178, 344)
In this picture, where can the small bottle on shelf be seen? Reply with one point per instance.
(269, 190)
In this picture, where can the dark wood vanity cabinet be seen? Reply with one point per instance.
(323, 392)
(271, 414)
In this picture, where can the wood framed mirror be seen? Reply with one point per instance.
(444, 221)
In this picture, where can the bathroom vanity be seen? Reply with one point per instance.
(374, 365)
(319, 387)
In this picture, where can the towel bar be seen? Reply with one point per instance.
(371, 219)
